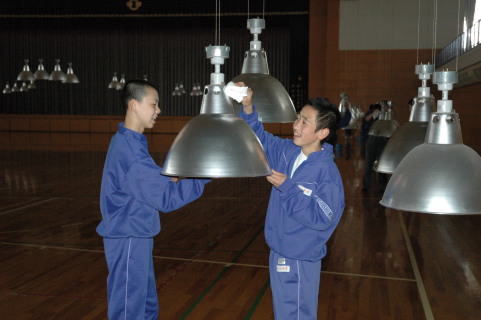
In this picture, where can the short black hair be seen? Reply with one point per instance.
(328, 116)
(135, 89)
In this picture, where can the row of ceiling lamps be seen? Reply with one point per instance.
(178, 91)
(28, 76)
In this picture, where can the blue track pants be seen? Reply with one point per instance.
(131, 288)
(295, 287)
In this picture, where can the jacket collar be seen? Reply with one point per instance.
(125, 131)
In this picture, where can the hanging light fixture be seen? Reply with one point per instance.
(25, 74)
(216, 143)
(41, 74)
(70, 77)
(273, 103)
(32, 85)
(442, 175)
(176, 91)
(57, 73)
(413, 132)
(181, 88)
(385, 125)
(114, 83)
(15, 87)
(24, 87)
(7, 89)
(196, 90)
(120, 85)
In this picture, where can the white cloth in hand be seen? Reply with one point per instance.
(235, 92)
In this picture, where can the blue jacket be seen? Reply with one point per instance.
(133, 191)
(304, 211)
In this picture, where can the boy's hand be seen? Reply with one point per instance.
(247, 101)
(276, 178)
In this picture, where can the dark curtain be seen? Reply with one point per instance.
(166, 51)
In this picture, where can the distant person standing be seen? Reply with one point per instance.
(374, 148)
(367, 120)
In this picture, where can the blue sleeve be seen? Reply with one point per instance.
(273, 146)
(146, 185)
(317, 208)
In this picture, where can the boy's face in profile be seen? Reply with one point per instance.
(146, 110)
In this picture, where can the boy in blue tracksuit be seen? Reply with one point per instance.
(305, 205)
(132, 192)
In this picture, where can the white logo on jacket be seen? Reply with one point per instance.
(325, 208)
(306, 191)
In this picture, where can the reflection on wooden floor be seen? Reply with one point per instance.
(211, 258)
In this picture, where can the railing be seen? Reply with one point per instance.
(463, 43)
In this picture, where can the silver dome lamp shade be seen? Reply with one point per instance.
(273, 103)
(442, 175)
(176, 91)
(41, 74)
(15, 87)
(70, 76)
(24, 87)
(121, 84)
(115, 82)
(25, 74)
(216, 143)
(7, 89)
(57, 73)
(385, 125)
(413, 132)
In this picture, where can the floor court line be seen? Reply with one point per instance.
(27, 206)
(224, 263)
(419, 281)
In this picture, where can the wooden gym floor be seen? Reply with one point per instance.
(211, 258)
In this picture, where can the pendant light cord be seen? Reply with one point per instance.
(217, 22)
(419, 22)
(457, 35)
(435, 23)
(263, 9)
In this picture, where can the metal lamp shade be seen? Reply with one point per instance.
(383, 128)
(15, 88)
(217, 146)
(25, 74)
(403, 140)
(57, 73)
(24, 87)
(216, 143)
(407, 137)
(114, 83)
(7, 89)
(440, 176)
(71, 77)
(41, 74)
(273, 103)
